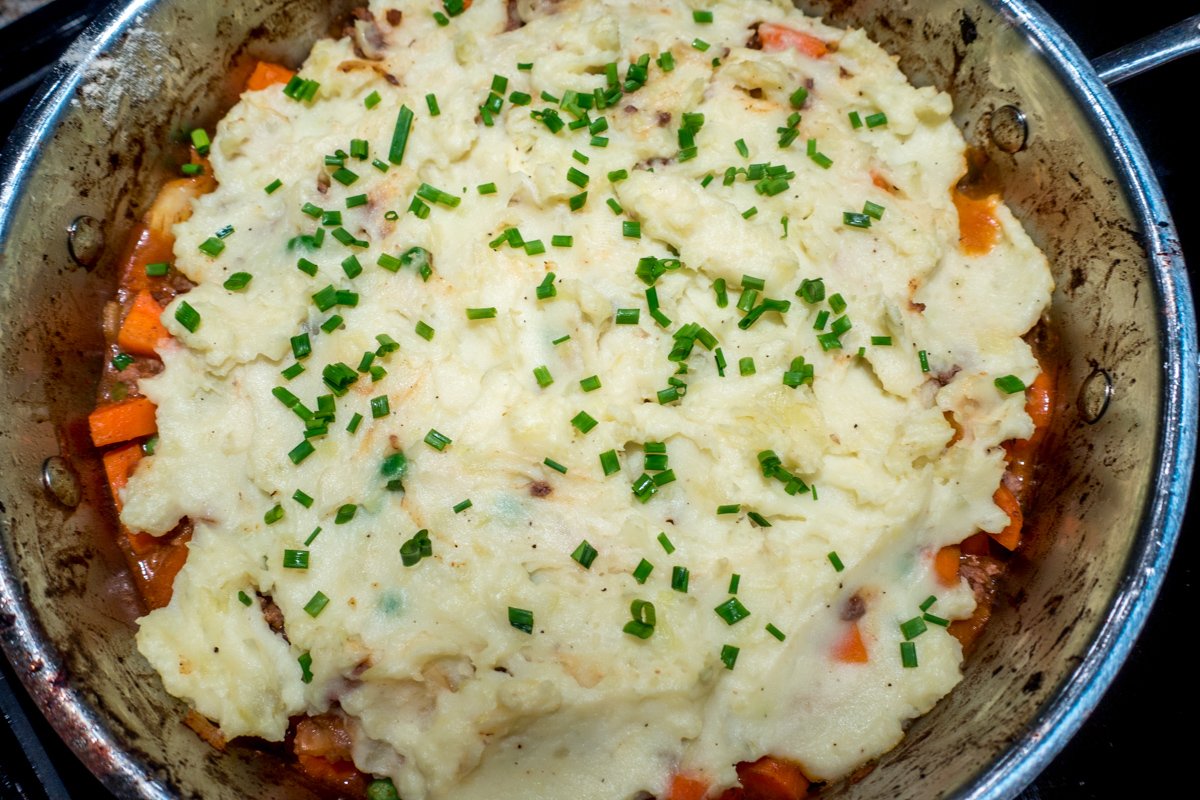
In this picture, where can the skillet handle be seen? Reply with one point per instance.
(1153, 51)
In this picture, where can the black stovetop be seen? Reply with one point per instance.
(1127, 746)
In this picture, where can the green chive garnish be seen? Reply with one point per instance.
(316, 605)
(590, 383)
(778, 634)
(679, 579)
(295, 559)
(521, 619)
(732, 611)
(666, 543)
(481, 313)
(838, 566)
(438, 441)
(643, 570)
(585, 554)
(908, 654)
(400, 136)
(1010, 384)
(729, 655)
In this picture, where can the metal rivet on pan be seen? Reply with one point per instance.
(85, 240)
(1094, 395)
(61, 481)
(1008, 128)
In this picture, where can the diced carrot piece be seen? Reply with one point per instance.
(142, 329)
(146, 245)
(1010, 537)
(1039, 401)
(978, 227)
(119, 422)
(945, 565)
(158, 567)
(780, 37)
(266, 75)
(685, 787)
(118, 466)
(772, 779)
(851, 649)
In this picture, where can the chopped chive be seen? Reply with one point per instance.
(424, 331)
(837, 303)
(301, 451)
(732, 611)
(333, 323)
(212, 246)
(679, 579)
(521, 619)
(643, 570)
(580, 157)
(617, 175)
(838, 566)
(121, 361)
(345, 513)
(441, 19)
(908, 654)
(534, 247)
(543, 376)
(438, 441)
(578, 201)
(823, 161)
(749, 212)
(876, 120)
(157, 269)
(352, 267)
(881, 341)
(729, 655)
(615, 206)
(302, 498)
(609, 462)
(855, 120)
(798, 97)
(577, 177)
(380, 406)
(307, 267)
(584, 422)
(631, 229)
(923, 358)
(355, 421)
(912, 628)
(1010, 384)
(565, 337)
(272, 186)
(312, 536)
(481, 313)
(856, 220)
(628, 316)
(585, 554)
(244, 598)
(316, 605)
(700, 45)
(525, 66)
(742, 149)
(928, 602)
(758, 519)
(344, 176)
(590, 383)
(554, 465)
(306, 676)
(356, 201)
(873, 210)
(273, 515)
(562, 240)
(201, 141)
(187, 316)
(486, 188)
(666, 543)
(295, 559)
(372, 100)
(643, 622)
(463, 506)
(432, 103)
(400, 137)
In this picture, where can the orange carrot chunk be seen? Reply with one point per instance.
(780, 37)
(1039, 401)
(145, 246)
(945, 565)
(119, 422)
(266, 75)
(1010, 537)
(850, 649)
(772, 779)
(142, 329)
(978, 228)
(118, 466)
(684, 787)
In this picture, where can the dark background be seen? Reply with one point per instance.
(1130, 745)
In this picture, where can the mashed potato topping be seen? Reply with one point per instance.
(594, 379)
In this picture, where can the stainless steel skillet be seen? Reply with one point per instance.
(95, 143)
